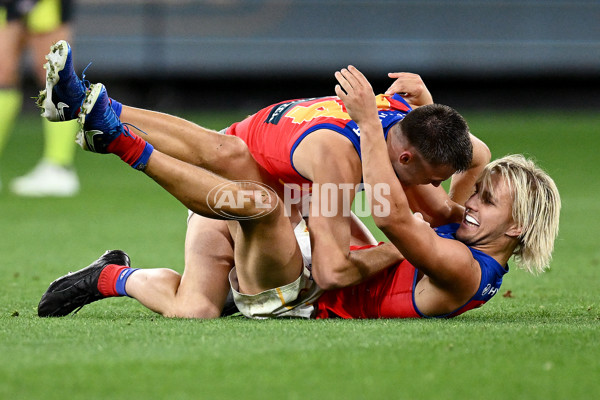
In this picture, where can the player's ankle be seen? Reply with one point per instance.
(132, 149)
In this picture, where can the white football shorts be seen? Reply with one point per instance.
(292, 300)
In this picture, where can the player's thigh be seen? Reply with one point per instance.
(12, 42)
(267, 254)
(208, 260)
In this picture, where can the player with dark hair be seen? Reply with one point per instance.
(299, 141)
(456, 267)
(439, 273)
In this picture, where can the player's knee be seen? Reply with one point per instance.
(239, 154)
(259, 202)
(230, 149)
(238, 159)
(205, 311)
(237, 148)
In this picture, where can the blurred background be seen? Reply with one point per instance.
(190, 54)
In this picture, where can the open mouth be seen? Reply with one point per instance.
(470, 220)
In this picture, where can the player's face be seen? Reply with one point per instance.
(420, 172)
(488, 217)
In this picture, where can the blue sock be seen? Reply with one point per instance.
(122, 279)
(116, 106)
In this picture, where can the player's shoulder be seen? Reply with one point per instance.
(327, 141)
(326, 153)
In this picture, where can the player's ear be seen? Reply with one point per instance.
(405, 157)
(514, 231)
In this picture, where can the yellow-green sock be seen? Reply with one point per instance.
(59, 142)
(45, 16)
(10, 106)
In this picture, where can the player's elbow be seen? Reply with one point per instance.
(331, 273)
(385, 223)
(329, 280)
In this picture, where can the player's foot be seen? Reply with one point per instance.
(64, 92)
(47, 179)
(77, 289)
(99, 123)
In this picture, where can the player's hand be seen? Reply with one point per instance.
(419, 217)
(411, 87)
(357, 94)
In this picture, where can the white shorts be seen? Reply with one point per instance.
(292, 300)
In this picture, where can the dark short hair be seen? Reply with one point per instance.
(440, 134)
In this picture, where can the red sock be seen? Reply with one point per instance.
(108, 279)
(128, 146)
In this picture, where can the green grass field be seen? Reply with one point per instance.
(540, 343)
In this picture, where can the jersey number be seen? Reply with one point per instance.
(326, 108)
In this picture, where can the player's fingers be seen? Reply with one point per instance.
(405, 82)
(357, 72)
(394, 89)
(359, 77)
(343, 81)
(351, 77)
(396, 75)
(397, 89)
(340, 92)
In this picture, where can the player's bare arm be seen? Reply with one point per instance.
(448, 264)
(434, 204)
(412, 88)
(334, 266)
(462, 184)
(439, 207)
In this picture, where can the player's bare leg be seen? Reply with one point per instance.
(202, 289)
(261, 215)
(262, 266)
(200, 293)
(225, 155)
(12, 41)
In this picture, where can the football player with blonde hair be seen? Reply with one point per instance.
(441, 272)
(535, 208)
(457, 266)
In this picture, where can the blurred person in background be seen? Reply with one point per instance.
(35, 25)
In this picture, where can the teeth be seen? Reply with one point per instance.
(471, 220)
